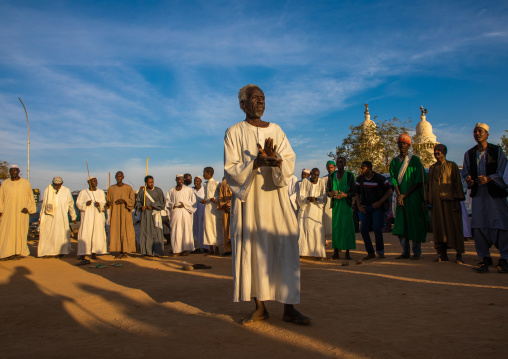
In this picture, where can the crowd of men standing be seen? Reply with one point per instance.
(271, 217)
(196, 219)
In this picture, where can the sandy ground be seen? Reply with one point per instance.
(388, 308)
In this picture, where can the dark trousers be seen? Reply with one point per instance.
(375, 218)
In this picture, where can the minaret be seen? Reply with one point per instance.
(367, 122)
(369, 129)
(424, 139)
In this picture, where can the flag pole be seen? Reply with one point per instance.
(27, 143)
(144, 197)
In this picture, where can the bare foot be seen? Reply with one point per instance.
(256, 316)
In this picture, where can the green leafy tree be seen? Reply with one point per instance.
(4, 170)
(504, 142)
(377, 144)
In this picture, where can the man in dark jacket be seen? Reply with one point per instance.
(483, 169)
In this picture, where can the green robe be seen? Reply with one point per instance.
(416, 217)
(343, 225)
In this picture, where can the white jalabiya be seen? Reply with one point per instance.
(55, 234)
(14, 196)
(180, 219)
(264, 232)
(212, 217)
(92, 231)
(310, 219)
(198, 221)
(292, 190)
(327, 214)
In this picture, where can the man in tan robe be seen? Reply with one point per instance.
(443, 195)
(16, 202)
(225, 206)
(121, 201)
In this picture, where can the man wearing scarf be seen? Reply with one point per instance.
(150, 205)
(411, 219)
(55, 235)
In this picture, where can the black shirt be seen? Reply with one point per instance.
(373, 188)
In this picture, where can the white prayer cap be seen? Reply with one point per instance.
(14, 166)
(57, 180)
(91, 177)
(179, 175)
(305, 170)
(482, 125)
(198, 177)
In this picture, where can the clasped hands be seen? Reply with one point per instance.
(144, 208)
(97, 204)
(266, 156)
(337, 194)
(481, 180)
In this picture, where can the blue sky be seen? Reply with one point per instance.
(114, 82)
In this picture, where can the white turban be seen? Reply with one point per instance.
(482, 125)
(179, 176)
(305, 170)
(14, 166)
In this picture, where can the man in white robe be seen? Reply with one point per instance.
(293, 196)
(292, 190)
(91, 202)
(212, 217)
(264, 232)
(327, 214)
(16, 205)
(181, 204)
(55, 233)
(311, 200)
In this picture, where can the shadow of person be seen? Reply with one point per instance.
(172, 284)
(26, 306)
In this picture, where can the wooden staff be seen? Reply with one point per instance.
(144, 198)
(109, 180)
(93, 197)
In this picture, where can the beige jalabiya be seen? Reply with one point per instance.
(121, 230)
(212, 218)
(310, 219)
(14, 196)
(264, 232)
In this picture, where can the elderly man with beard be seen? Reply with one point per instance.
(264, 233)
(484, 166)
(55, 234)
(16, 203)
